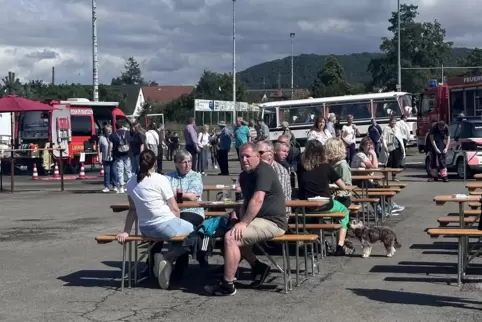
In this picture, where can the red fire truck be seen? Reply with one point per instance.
(74, 125)
(459, 96)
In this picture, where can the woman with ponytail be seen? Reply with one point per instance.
(152, 200)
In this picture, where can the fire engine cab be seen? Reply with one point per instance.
(460, 96)
(74, 125)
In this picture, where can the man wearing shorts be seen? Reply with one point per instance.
(262, 217)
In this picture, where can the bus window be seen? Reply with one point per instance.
(358, 110)
(81, 125)
(304, 114)
(428, 104)
(387, 108)
(269, 117)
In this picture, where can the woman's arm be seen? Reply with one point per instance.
(130, 219)
(171, 202)
(340, 184)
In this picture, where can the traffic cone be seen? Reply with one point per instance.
(101, 171)
(82, 171)
(56, 171)
(35, 172)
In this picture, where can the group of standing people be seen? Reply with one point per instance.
(389, 143)
(119, 152)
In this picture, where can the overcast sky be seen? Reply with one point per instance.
(174, 40)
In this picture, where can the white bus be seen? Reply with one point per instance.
(300, 113)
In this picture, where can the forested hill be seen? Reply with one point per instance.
(278, 72)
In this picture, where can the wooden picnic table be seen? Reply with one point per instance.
(462, 260)
(478, 176)
(471, 186)
(384, 171)
(233, 205)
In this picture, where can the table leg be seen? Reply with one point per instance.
(463, 244)
(460, 262)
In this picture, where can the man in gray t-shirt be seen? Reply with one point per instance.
(261, 218)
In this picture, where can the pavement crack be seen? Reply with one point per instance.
(97, 306)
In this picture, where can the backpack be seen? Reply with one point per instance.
(213, 227)
(123, 143)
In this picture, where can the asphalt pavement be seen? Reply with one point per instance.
(51, 268)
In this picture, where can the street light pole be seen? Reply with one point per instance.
(292, 36)
(399, 63)
(95, 61)
(234, 61)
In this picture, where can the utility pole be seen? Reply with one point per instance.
(292, 36)
(95, 69)
(53, 75)
(399, 63)
(234, 61)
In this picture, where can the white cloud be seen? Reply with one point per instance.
(175, 40)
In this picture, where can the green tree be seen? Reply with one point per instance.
(216, 86)
(10, 85)
(422, 45)
(474, 59)
(330, 81)
(132, 74)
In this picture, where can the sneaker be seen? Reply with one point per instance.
(445, 179)
(398, 208)
(106, 190)
(259, 274)
(162, 270)
(222, 288)
(121, 190)
(340, 251)
(215, 167)
(117, 190)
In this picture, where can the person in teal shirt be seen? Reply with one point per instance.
(241, 134)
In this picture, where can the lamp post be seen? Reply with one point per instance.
(234, 61)
(95, 62)
(399, 64)
(292, 36)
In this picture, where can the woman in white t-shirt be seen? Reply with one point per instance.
(203, 144)
(152, 200)
(319, 131)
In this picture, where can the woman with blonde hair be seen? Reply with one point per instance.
(336, 156)
(314, 177)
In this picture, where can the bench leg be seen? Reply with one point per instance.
(123, 270)
(285, 265)
(129, 273)
(288, 266)
(270, 258)
(460, 261)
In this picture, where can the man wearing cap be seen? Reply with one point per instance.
(224, 147)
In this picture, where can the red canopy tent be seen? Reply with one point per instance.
(15, 104)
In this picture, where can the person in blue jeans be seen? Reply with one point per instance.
(105, 158)
(375, 134)
(152, 201)
(120, 150)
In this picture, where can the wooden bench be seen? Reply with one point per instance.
(330, 227)
(354, 208)
(365, 200)
(444, 221)
(454, 232)
(398, 185)
(467, 213)
(284, 240)
(380, 194)
(462, 235)
(214, 213)
(397, 190)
